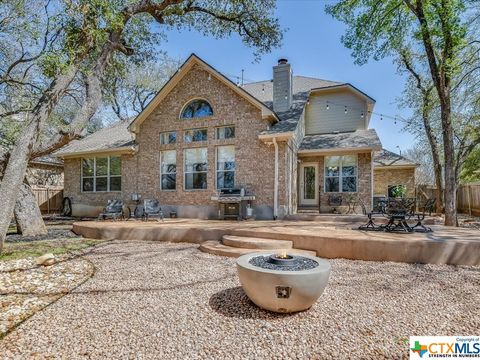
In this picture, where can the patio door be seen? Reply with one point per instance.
(308, 184)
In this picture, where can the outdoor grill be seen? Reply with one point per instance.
(232, 203)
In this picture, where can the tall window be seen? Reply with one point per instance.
(225, 132)
(196, 109)
(168, 170)
(225, 167)
(193, 135)
(196, 166)
(102, 174)
(169, 137)
(341, 173)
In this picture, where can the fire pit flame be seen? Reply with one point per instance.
(282, 259)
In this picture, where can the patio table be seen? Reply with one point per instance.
(398, 211)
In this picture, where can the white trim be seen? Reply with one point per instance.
(283, 135)
(103, 152)
(338, 150)
(165, 133)
(275, 182)
(340, 176)
(193, 129)
(161, 160)
(94, 176)
(394, 167)
(193, 118)
(224, 171)
(193, 172)
(302, 183)
(181, 72)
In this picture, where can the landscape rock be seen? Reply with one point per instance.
(46, 260)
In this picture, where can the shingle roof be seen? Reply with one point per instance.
(112, 137)
(350, 140)
(385, 157)
(263, 91)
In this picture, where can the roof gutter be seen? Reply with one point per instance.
(278, 136)
(120, 150)
(339, 150)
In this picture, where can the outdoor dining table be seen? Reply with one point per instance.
(398, 211)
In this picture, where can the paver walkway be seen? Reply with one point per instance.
(157, 300)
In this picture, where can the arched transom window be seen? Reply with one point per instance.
(196, 108)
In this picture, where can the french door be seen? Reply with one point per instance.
(308, 184)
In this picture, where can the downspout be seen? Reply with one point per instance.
(275, 182)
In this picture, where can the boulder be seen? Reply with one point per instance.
(46, 260)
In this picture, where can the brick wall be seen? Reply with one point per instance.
(141, 172)
(385, 177)
(364, 183)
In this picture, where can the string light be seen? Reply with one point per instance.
(345, 109)
(308, 101)
(263, 88)
(361, 115)
(328, 106)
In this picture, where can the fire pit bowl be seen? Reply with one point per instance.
(283, 283)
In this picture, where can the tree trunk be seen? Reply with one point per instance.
(437, 166)
(20, 154)
(27, 213)
(450, 194)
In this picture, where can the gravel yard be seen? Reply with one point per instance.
(167, 301)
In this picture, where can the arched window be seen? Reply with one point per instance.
(196, 108)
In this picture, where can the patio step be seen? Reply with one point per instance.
(255, 243)
(217, 248)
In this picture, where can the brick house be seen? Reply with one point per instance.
(292, 142)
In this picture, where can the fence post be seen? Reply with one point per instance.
(469, 193)
(48, 202)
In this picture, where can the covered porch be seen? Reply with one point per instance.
(335, 172)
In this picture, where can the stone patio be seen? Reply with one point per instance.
(334, 237)
(170, 301)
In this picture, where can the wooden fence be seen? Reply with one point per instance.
(49, 199)
(468, 199)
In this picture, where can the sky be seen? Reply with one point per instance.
(313, 47)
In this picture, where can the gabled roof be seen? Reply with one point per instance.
(181, 72)
(358, 140)
(386, 158)
(114, 138)
(302, 86)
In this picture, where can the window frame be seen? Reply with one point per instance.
(193, 172)
(167, 133)
(223, 127)
(168, 173)
(181, 117)
(340, 175)
(224, 171)
(193, 130)
(94, 176)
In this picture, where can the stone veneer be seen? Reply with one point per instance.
(385, 177)
(141, 172)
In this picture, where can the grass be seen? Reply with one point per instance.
(21, 250)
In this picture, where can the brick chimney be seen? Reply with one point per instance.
(282, 86)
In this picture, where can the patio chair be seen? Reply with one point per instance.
(151, 208)
(113, 210)
(370, 225)
(399, 211)
(427, 208)
(334, 200)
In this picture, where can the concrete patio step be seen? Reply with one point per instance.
(255, 243)
(217, 248)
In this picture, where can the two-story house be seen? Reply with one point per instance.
(293, 142)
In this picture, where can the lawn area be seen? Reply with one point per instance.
(21, 250)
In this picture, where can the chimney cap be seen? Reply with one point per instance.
(282, 61)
